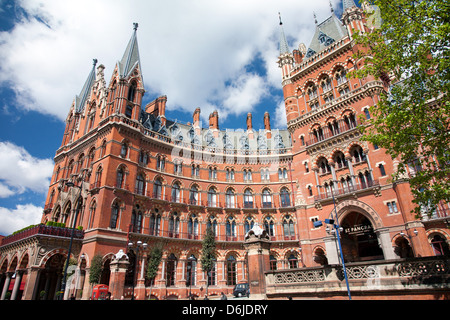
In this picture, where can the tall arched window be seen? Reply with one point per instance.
(120, 178)
(269, 226)
(174, 225)
(248, 198)
(272, 262)
(132, 92)
(140, 184)
(92, 209)
(229, 198)
(155, 223)
(191, 270)
(193, 226)
(176, 194)
(124, 150)
(193, 195)
(266, 199)
(171, 270)
(212, 223)
(231, 229)
(231, 271)
(285, 197)
(248, 224)
(136, 219)
(157, 189)
(212, 197)
(114, 215)
(288, 228)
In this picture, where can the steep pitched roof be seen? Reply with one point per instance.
(348, 4)
(80, 100)
(130, 57)
(327, 32)
(284, 48)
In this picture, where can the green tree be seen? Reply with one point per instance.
(208, 253)
(95, 271)
(409, 50)
(154, 260)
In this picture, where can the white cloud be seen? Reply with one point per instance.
(20, 171)
(18, 218)
(195, 52)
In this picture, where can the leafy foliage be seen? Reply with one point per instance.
(410, 51)
(208, 250)
(154, 260)
(95, 271)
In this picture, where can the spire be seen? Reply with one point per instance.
(80, 100)
(347, 4)
(284, 48)
(130, 58)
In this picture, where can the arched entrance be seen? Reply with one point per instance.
(359, 241)
(50, 278)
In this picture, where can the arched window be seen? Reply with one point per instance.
(288, 228)
(193, 195)
(212, 223)
(266, 199)
(193, 226)
(323, 166)
(339, 160)
(230, 229)
(229, 198)
(155, 223)
(160, 163)
(358, 154)
(136, 219)
(98, 177)
(103, 149)
(248, 224)
(231, 271)
(341, 76)
(171, 270)
(293, 261)
(124, 150)
(132, 92)
(140, 184)
(157, 189)
(120, 178)
(174, 225)
(248, 198)
(268, 226)
(191, 270)
(114, 215)
(272, 263)
(176, 195)
(212, 197)
(285, 197)
(92, 209)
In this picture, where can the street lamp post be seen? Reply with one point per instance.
(63, 285)
(191, 259)
(139, 245)
(334, 222)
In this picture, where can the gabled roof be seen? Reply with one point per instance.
(327, 32)
(80, 100)
(130, 57)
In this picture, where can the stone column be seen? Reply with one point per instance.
(32, 284)
(258, 263)
(16, 284)
(118, 266)
(6, 285)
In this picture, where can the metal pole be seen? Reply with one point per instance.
(63, 286)
(336, 226)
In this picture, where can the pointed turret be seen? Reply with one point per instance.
(285, 59)
(80, 100)
(284, 47)
(346, 4)
(130, 59)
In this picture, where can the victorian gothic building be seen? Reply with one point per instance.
(137, 180)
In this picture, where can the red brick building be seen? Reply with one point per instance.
(142, 179)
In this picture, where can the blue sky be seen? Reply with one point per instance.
(210, 54)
